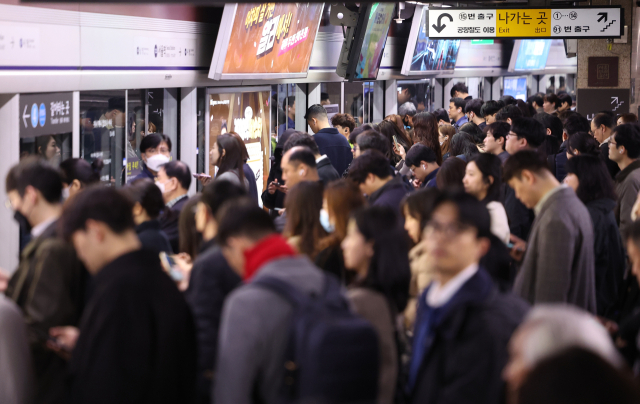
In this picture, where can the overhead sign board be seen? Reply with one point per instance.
(554, 23)
(592, 101)
(46, 114)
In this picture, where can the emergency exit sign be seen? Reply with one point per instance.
(552, 23)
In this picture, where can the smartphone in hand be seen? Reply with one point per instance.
(170, 267)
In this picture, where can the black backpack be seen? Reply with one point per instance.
(332, 355)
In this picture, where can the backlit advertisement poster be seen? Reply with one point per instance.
(433, 54)
(272, 38)
(533, 54)
(374, 40)
(248, 115)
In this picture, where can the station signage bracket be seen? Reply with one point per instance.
(526, 23)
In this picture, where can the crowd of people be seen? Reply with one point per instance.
(485, 254)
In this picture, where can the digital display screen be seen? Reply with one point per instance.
(433, 54)
(272, 38)
(533, 54)
(516, 87)
(375, 37)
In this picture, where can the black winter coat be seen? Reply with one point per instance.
(211, 281)
(137, 339)
(465, 361)
(152, 238)
(520, 217)
(609, 254)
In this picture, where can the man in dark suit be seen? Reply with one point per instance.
(558, 264)
(326, 171)
(601, 129)
(136, 341)
(174, 179)
(463, 323)
(573, 125)
(330, 142)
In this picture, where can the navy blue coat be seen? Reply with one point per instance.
(469, 349)
(391, 194)
(336, 147)
(251, 177)
(152, 238)
(169, 223)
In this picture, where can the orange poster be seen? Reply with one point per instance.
(272, 38)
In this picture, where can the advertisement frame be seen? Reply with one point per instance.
(222, 46)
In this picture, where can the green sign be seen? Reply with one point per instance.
(482, 42)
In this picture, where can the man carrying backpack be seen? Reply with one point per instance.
(287, 334)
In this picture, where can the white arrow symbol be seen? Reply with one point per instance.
(615, 99)
(25, 116)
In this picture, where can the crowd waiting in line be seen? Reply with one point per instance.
(485, 254)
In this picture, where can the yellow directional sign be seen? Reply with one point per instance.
(577, 22)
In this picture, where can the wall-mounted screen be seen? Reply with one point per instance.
(424, 55)
(530, 54)
(271, 40)
(515, 87)
(375, 37)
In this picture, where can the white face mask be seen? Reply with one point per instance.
(65, 193)
(324, 221)
(161, 186)
(154, 162)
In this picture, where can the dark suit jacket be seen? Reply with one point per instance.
(137, 340)
(211, 281)
(49, 288)
(390, 194)
(152, 238)
(169, 223)
(520, 217)
(327, 172)
(336, 147)
(465, 361)
(251, 177)
(558, 266)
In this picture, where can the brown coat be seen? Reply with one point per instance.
(421, 276)
(48, 288)
(373, 307)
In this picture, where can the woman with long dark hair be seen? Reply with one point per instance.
(246, 169)
(227, 155)
(451, 173)
(303, 229)
(389, 130)
(77, 174)
(589, 177)
(446, 133)
(483, 180)
(376, 249)
(463, 146)
(341, 199)
(425, 131)
(582, 143)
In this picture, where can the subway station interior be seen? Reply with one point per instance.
(90, 80)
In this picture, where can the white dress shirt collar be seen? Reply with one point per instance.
(438, 295)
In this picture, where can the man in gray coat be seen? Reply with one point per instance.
(624, 149)
(254, 328)
(558, 260)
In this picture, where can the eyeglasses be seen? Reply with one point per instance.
(449, 230)
(611, 142)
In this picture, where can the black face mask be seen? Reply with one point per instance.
(22, 222)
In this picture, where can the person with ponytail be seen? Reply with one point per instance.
(77, 174)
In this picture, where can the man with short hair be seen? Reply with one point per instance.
(601, 129)
(565, 102)
(422, 162)
(551, 103)
(525, 133)
(558, 263)
(290, 108)
(174, 179)
(326, 172)
(463, 323)
(211, 280)
(254, 329)
(456, 112)
(136, 340)
(489, 110)
(569, 326)
(344, 123)
(299, 164)
(324, 99)
(573, 125)
(496, 139)
(472, 110)
(552, 124)
(371, 140)
(330, 142)
(375, 178)
(508, 113)
(407, 111)
(49, 283)
(624, 149)
(460, 90)
(155, 150)
(537, 102)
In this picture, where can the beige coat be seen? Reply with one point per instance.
(421, 276)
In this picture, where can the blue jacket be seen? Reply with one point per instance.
(390, 194)
(430, 180)
(465, 348)
(251, 177)
(145, 173)
(336, 147)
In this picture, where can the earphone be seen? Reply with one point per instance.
(301, 172)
